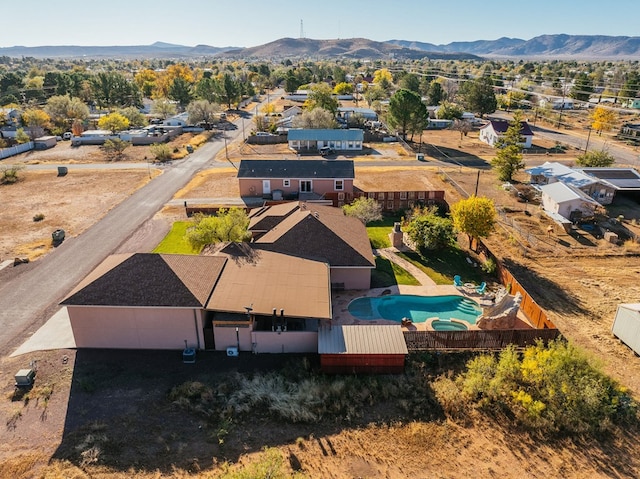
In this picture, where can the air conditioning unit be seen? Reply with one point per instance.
(232, 351)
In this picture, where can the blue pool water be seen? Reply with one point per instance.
(439, 325)
(417, 308)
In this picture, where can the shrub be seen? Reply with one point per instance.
(38, 217)
(161, 151)
(489, 266)
(10, 174)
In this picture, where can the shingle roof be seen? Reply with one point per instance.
(301, 169)
(265, 280)
(361, 339)
(322, 233)
(265, 218)
(302, 134)
(147, 279)
(501, 126)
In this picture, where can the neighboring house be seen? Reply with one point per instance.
(626, 325)
(11, 115)
(92, 137)
(565, 203)
(322, 233)
(301, 139)
(495, 129)
(239, 298)
(438, 124)
(347, 112)
(630, 131)
(291, 112)
(558, 104)
(297, 179)
(180, 119)
(632, 103)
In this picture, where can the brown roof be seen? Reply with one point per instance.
(264, 280)
(395, 180)
(265, 218)
(361, 339)
(147, 279)
(321, 233)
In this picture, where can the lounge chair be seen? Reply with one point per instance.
(457, 281)
(482, 288)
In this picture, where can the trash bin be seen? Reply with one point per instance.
(420, 157)
(62, 170)
(58, 235)
(189, 149)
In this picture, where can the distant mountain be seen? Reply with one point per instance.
(343, 48)
(551, 46)
(156, 50)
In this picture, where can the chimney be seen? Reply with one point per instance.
(282, 313)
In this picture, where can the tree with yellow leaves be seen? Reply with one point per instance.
(474, 216)
(383, 78)
(603, 119)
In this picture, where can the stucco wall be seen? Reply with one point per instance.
(135, 328)
(253, 187)
(225, 337)
(353, 278)
(285, 342)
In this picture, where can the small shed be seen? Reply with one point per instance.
(45, 142)
(352, 349)
(626, 325)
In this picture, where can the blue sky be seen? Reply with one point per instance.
(246, 23)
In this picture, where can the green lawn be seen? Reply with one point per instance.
(378, 231)
(388, 273)
(442, 265)
(175, 242)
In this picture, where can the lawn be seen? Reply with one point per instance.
(442, 265)
(175, 242)
(378, 231)
(390, 274)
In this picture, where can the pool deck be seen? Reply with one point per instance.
(341, 299)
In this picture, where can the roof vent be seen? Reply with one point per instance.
(316, 214)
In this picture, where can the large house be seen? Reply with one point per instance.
(495, 129)
(297, 179)
(270, 295)
(301, 139)
(565, 203)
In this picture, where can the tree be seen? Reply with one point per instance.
(161, 152)
(593, 159)
(462, 126)
(410, 82)
(321, 96)
(474, 216)
(603, 119)
(318, 118)
(36, 121)
(430, 231)
(374, 93)
(435, 94)
(9, 174)
(478, 96)
(343, 88)
(228, 90)
(582, 87)
(365, 209)
(631, 85)
(383, 78)
(146, 81)
(226, 225)
(202, 111)
(164, 108)
(111, 89)
(113, 122)
(135, 117)
(291, 82)
(114, 148)
(180, 91)
(407, 113)
(449, 111)
(508, 159)
(21, 136)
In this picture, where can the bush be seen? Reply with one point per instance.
(489, 266)
(10, 174)
(161, 151)
(38, 217)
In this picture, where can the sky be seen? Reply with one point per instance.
(247, 23)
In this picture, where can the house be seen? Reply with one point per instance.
(626, 325)
(632, 103)
(297, 179)
(301, 139)
(361, 349)
(438, 124)
(563, 202)
(291, 112)
(11, 116)
(346, 113)
(180, 119)
(558, 103)
(495, 129)
(227, 300)
(630, 131)
(318, 232)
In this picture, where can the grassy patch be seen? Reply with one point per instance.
(175, 242)
(378, 231)
(442, 265)
(389, 274)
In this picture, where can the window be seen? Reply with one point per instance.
(403, 195)
(412, 195)
(286, 182)
(306, 186)
(421, 195)
(372, 195)
(389, 205)
(341, 196)
(381, 196)
(338, 185)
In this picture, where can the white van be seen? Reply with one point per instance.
(67, 135)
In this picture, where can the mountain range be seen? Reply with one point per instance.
(559, 46)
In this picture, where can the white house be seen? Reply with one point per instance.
(301, 139)
(495, 129)
(563, 202)
(626, 325)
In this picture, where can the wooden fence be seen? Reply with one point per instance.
(476, 339)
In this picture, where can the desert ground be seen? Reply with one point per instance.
(578, 279)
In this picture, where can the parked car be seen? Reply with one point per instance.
(67, 135)
(264, 133)
(325, 151)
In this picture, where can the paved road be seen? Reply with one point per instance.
(30, 297)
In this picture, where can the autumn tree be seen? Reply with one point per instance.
(343, 88)
(407, 113)
(36, 121)
(135, 117)
(146, 81)
(508, 159)
(603, 119)
(318, 118)
(202, 111)
(161, 152)
(321, 96)
(383, 78)
(226, 225)
(113, 122)
(164, 108)
(591, 159)
(365, 209)
(474, 216)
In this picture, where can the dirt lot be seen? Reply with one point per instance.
(578, 279)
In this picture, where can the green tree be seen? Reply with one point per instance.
(599, 159)
(291, 82)
(631, 85)
(508, 159)
(478, 96)
(135, 117)
(316, 118)
(180, 91)
(112, 89)
(113, 122)
(582, 87)
(407, 113)
(365, 209)
(321, 96)
(410, 82)
(430, 231)
(114, 148)
(449, 111)
(21, 136)
(474, 216)
(435, 94)
(226, 225)
(375, 93)
(202, 111)
(9, 174)
(228, 90)
(161, 152)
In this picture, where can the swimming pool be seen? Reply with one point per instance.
(448, 325)
(417, 308)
